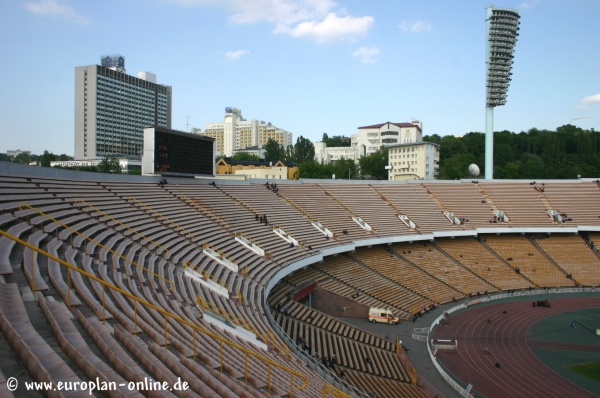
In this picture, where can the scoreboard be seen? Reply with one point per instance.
(169, 152)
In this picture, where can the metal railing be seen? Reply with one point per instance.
(22, 205)
(142, 204)
(167, 315)
(139, 234)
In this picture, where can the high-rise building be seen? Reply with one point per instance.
(235, 132)
(112, 109)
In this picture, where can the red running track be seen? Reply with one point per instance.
(521, 374)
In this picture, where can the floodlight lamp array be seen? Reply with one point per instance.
(503, 29)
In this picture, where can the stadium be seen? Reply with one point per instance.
(116, 279)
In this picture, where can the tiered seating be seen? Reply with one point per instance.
(465, 202)
(414, 201)
(323, 208)
(572, 255)
(74, 346)
(349, 353)
(520, 254)
(14, 191)
(436, 264)
(365, 280)
(328, 323)
(407, 275)
(279, 212)
(6, 246)
(239, 219)
(479, 260)
(403, 282)
(365, 203)
(42, 362)
(338, 287)
(578, 200)
(384, 387)
(594, 237)
(522, 204)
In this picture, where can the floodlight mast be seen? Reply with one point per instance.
(502, 29)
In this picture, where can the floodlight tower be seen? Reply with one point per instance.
(502, 29)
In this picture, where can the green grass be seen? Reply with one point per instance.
(590, 370)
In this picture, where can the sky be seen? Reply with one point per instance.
(306, 66)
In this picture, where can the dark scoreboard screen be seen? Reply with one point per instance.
(182, 153)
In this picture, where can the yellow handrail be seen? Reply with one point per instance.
(167, 314)
(206, 275)
(329, 389)
(93, 241)
(206, 213)
(79, 200)
(155, 212)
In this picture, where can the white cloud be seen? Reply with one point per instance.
(321, 20)
(366, 54)
(587, 101)
(331, 29)
(235, 55)
(529, 4)
(54, 8)
(415, 27)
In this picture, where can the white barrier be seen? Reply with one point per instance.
(420, 337)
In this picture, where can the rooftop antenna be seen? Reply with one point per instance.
(187, 124)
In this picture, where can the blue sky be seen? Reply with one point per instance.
(307, 66)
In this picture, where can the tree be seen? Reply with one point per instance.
(46, 158)
(4, 157)
(314, 169)
(373, 165)
(304, 150)
(289, 153)
(245, 156)
(273, 151)
(345, 168)
(22, 158)
(109, 165)
(336, 140)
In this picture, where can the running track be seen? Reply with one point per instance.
(521, 374)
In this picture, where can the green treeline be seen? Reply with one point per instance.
(536, 154)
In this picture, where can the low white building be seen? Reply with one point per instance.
(252, 150)
(386, 134)
(414, 161)
(127, 164)
(325, 154)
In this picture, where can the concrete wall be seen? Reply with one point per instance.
(333, 304)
